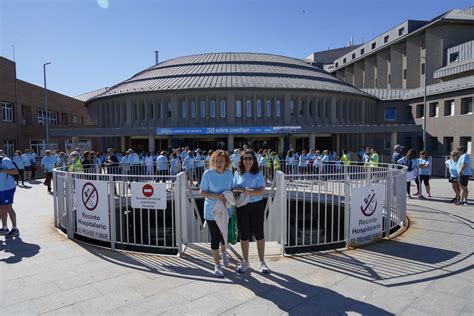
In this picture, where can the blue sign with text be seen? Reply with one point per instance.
(228, 130)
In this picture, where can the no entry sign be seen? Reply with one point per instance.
(148, 195)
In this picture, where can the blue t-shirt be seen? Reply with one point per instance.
(48, 162)
(7, 182)
(465, 158)
(19, 162)
(452, 167)
(251, 181)
(424, 171)
(188, 163)
(216, 183)
(162, 162)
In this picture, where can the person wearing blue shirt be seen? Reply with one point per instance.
(250, 217)
(303, 163)
(18, 160)
(452, 165)
(215, 181)
(162, 165)
(411, 163)
(465, 172)
(7, 193)
(424, 174)
(47, 164)
(27, 163)
(188, 166)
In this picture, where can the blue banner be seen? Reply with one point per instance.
(227, 130)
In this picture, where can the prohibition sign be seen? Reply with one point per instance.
(90, 197)
(147, 190)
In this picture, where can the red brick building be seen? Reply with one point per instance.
(22, 115)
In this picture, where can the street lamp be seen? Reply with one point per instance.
(425, 110)
(46, 105)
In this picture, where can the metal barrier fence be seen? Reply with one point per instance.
(304, 211)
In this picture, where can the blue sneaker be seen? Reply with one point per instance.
(4, 231)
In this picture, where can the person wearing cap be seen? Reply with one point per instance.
(397, 154)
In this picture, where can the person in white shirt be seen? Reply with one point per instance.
(149, 164)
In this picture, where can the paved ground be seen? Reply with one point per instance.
(425, 271)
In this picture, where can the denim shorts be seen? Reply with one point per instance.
(6, 197)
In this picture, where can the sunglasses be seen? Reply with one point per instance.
(248, 158)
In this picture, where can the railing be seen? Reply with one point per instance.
(307, 209)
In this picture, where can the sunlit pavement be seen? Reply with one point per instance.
(425, 271)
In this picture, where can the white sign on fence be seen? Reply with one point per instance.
(148, 195)
(92, 209)
(366, 214)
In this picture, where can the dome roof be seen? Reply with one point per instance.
(230, 71)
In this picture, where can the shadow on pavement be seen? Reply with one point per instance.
(288, 293)
(18, 248)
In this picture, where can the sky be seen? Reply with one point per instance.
(93, 44)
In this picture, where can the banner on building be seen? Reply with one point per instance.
(228, 130)
(92, 209)
(366, 216)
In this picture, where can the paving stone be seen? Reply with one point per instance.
(65, 298)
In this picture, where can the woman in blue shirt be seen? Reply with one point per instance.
(424, 174)
(250, 217)
(18, 160)
(214, 182)
(452, 165)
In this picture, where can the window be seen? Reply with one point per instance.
(202, 105)
(419, 110)
(52, 117)
(389, 78)
(238, 108)
(170, 108)
(404, 74)
(390, 114)
(193, 109)
(259, 108)
(222, 103)
(353, 56)
(74, 119)
(423, 68)
(212, 106)
(183, 109)
(423, 43)
(385, 39)
(82, 144)
(449, 108)
(292, 108)
(362, 51)
(466, 105)
(448, 144)
(269, 108)
(386, 143)
(249, 108)
(434, 109)
(434, 144)
(400, 31)
(277, 108)
(344, 61)
(337, 64)
(454, 57)
(7, 111)
(9, 147)
(39, 146)
(389, 57)
(466, 141)
(373, 45)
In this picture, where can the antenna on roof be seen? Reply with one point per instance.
(157, 59)
(363, 39)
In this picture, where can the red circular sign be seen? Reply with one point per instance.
(147, 190)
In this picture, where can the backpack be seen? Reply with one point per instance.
(16, 177)
(410, 165)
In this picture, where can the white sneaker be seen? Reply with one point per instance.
(218, 271)
(243, 267)
(262, 266)
(225, 259)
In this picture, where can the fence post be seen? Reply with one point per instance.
(179, 207)
(347, 210)
(281, 183)
(112, 213)
(388, 202)
(70, 205)
(55, 196)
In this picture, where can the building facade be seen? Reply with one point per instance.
(230, 99)
(395, 65)
(23, 115)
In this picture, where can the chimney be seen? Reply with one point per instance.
(156, 57)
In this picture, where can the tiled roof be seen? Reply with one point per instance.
(91, 94)
(230, 70)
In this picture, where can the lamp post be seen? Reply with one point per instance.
(425, 110)
(46, 105)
